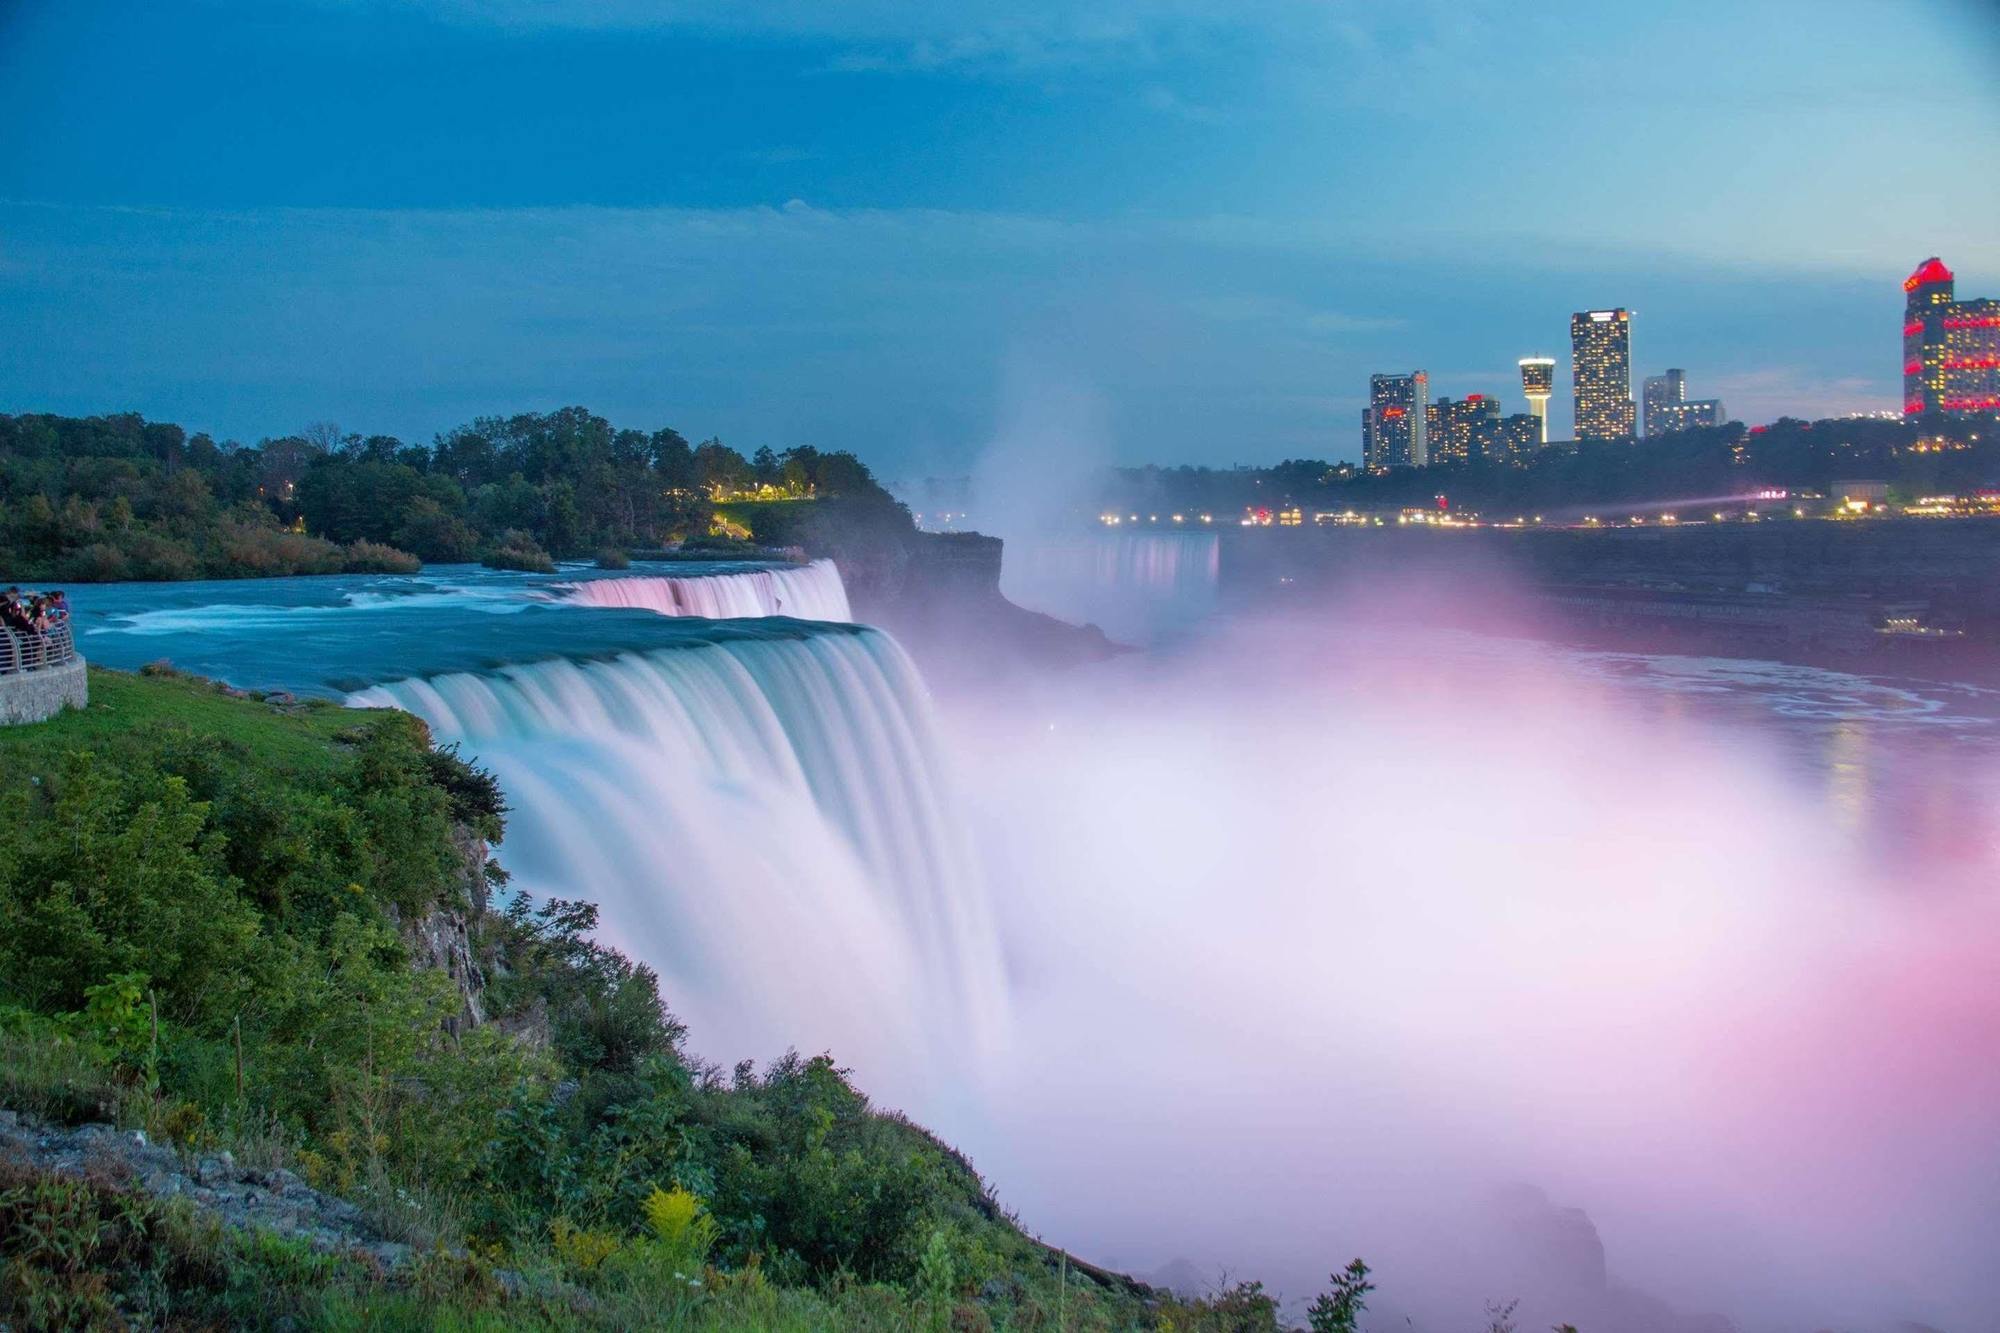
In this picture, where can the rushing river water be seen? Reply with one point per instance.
(1292, 940)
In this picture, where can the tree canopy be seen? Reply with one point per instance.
(89, 498)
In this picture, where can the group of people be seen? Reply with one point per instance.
(33, 613)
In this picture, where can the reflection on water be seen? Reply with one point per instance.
(1909, 769)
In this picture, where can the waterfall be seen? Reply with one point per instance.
(803, 592)
(1134, 585)
(766, 822)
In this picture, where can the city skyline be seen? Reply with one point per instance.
(892, 232)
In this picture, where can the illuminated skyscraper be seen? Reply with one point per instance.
(1498, 439)
(1951, 348)
(1660, 390)
(1396, 435)
(1452, 423)
(1601, 367)
(1538, 381)
(1668, 408)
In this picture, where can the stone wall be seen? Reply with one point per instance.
(36, 696)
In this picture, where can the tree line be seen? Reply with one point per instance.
(118, 497)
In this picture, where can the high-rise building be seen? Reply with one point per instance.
(1951, 348)
(1451, 424)
(1668, 408)
(1601, 369)
(1660, 390)
(1368, 440)
(1538, 381)
(1510, 439)
(1396, 434)
(1690, 414)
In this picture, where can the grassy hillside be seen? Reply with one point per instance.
(219, 918)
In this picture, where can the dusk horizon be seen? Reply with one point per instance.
(868, 232)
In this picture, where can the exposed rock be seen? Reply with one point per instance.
(238, 1197)
(441, 939)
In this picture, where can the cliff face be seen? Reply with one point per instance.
(945, 604)
(442, 938)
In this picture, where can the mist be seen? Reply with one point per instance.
(1328, 941)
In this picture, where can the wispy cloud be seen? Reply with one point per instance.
(1034, 36)
(1769, 392)
(879, 330)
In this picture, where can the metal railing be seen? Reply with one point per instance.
(31, 650)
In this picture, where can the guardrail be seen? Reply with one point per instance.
(36, 651)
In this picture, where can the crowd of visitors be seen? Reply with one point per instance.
(36, 616)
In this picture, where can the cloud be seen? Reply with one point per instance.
(1770, 392)
(1032, 36)
(885, 331)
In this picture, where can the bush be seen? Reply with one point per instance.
(613, 558)
(720, 547)
(98, 562)
(517, 551)
(366, 557)
(117, 870)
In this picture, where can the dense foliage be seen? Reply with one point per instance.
(1707, 462)
(120, 497)
(209, 912)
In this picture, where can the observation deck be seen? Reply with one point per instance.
(40, 675)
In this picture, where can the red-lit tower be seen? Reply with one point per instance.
(1927, 298)
(1951, 348)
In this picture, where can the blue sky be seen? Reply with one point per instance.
(884, 226)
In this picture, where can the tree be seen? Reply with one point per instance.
(1338, 1308)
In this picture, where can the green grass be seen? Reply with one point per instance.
(301, 739)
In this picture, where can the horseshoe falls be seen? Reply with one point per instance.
(1138, 587)
(805, 592)
(767, 822)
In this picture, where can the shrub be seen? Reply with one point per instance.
(681, 1228)
(516, 550)
(721, 546)
(613, 558)
(98, 562)
(1338, 1309)
(366, 557)
(117, 871)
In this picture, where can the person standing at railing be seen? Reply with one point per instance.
(13, 614)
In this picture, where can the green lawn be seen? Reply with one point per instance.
(301, 738)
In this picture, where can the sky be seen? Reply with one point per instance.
(893, 228)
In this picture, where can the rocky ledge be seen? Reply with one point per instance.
(239, 1197)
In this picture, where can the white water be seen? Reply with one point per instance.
(766, 822)
(1135, 586)
(805, 592)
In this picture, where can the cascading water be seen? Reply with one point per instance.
(1134, 585)
(766, 821)
(806, 592)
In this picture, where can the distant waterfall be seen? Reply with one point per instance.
(803, 592)
(766, 822)
(1133, 585)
